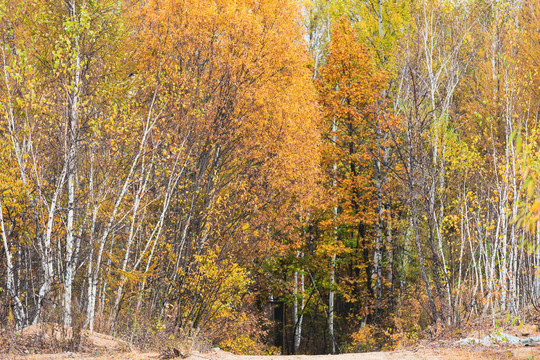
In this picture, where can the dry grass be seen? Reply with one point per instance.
(52, 338)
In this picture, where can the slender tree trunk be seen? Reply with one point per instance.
(390, 259)
(70, 266)
(143, 181)
(16, 304)
(298, 318)
(150, 122)
(414, 216)
(47, 261)
(377, 251)
(333, 259)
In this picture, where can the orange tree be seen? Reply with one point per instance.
(237, 97)
(355, 162)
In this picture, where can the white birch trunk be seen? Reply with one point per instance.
(46, 249)
(94, 281)
(298, 318)
(16, 304)
(377, 251)
(333, 259)
(143, 181)
(70, 265)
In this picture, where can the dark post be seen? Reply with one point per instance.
(278, 314)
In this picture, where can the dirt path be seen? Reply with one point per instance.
(474, 353)
(393, 355)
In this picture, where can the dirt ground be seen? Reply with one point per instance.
(102, 347)
(469, 353)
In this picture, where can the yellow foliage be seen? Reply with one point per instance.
(364, 340)
(241, 345)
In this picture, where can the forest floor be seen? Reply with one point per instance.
(26, 345)
(428, 353)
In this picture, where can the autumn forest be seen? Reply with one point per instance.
(318, 176)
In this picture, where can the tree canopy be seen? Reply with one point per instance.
(269, 173)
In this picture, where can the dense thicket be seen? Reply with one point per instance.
(169, 166)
